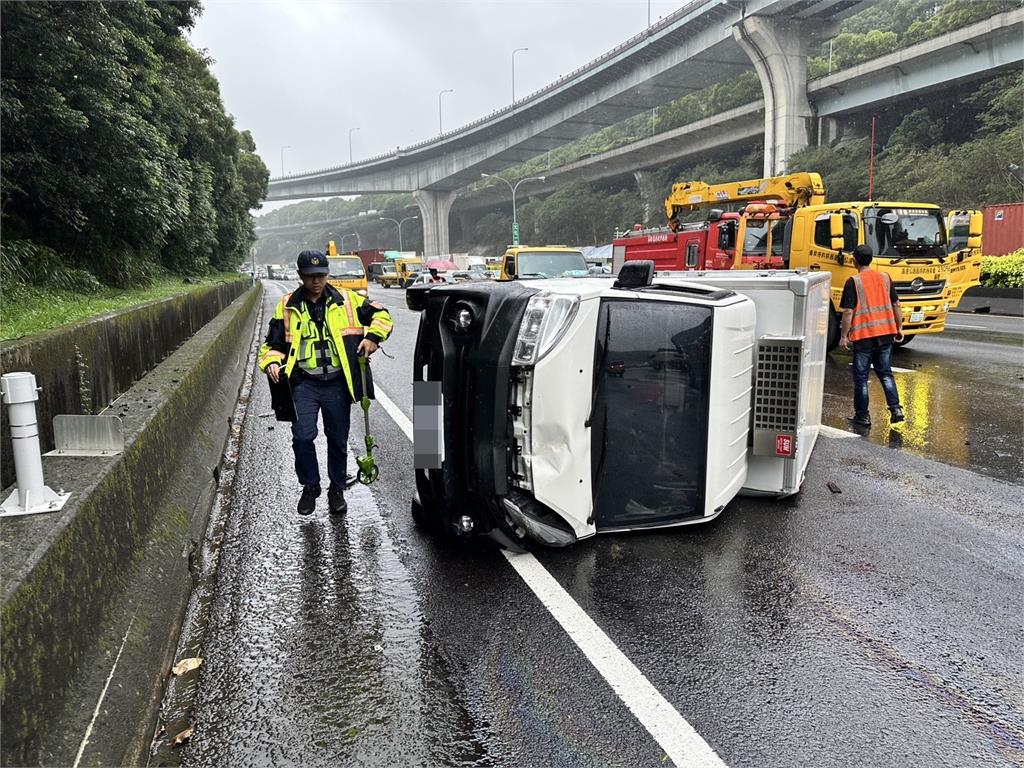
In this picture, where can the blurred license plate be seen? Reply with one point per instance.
(917, 317)
(427, 425)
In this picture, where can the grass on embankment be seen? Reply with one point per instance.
(30, 309)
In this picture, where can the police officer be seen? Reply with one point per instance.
(315, 339)
(872, 322)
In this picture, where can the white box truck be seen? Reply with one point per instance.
(552, 410)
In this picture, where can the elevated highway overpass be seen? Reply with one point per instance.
(704, 42)
(952, 60)
(434, 170)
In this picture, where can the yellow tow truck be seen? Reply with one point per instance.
(540, 261)
(403, 273)
(786, 223)
(347, 270)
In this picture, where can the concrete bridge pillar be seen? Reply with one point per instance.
(434, 209)
(777, 47)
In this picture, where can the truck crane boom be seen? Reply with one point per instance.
(794, 189)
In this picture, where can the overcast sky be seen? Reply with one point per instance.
(301, 74)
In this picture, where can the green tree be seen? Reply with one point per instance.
(116, 152)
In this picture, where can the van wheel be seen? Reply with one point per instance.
(833, 330)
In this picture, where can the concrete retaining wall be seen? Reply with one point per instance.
(83, 366)
(63, 571)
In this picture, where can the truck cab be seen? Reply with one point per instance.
(346, 270)
(963, 235)
(400, 272)
(702, 245)
(909, 244)
(542, 261)
(408, 270)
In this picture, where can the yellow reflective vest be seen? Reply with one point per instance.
(348, 318)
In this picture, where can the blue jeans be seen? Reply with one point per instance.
(332, 399)
(879, 357)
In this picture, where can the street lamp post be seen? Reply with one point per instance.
(513, 187)
(517, 50)
(399, 225)
(286, 146)
(440, 124)
(350, 234)
(350, 144)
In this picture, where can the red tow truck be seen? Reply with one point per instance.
(702, 245)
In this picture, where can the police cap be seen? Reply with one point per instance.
(312, 263)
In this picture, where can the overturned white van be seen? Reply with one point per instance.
(551, 410)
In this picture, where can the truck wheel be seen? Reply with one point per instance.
(906, 340)
(833, 330)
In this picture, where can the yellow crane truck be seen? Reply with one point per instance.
(786, 223)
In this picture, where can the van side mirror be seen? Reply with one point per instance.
(974, 242)
(510, 267)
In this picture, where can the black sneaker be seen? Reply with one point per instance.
(336, 501)
(860, 420)
(895, 415)
(307, 502)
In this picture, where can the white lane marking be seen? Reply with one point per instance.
(403, 421)
(103, 694)
(837, 433)
(973, 327)
(674, 735)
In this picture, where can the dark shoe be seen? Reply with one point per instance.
(336, 501)
(860, 420)
(895, 415)
(307, 502)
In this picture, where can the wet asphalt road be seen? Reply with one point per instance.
(878, 626)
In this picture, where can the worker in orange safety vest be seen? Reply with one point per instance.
(872, 324)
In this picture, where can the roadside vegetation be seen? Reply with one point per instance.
(121, 171)
(1003, 271)
(28, 309)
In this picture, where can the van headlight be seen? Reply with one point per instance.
(547, 317)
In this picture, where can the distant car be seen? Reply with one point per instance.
(599, 270)
(463, 275)
(424, 278)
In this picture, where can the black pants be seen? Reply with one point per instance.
(332, 399)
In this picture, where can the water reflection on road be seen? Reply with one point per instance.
(961, 410)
